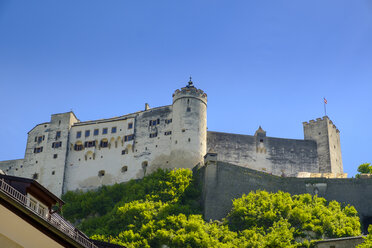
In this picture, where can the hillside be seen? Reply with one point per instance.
(164, 209)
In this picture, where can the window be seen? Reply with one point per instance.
(123, 152)
(36, 139)
(35, 176)
(55, 156)
(90, 143)
(130, 125)
(96, 132)
(53, 172)
(57, 144)
(188, 109)
(104, 143)
(153, 135)
(101, 173)
(58, 135)
(168, 133)
(124, 169)
(38, 149)
(87, 133)
(129, 137)
(78, 134)
(104, 131)
(113, 130)
(167, 121)
(39, 139)
(154, 122)
(78, 147)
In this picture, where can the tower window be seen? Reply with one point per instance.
(53, 172)
(58, 134)
(130, 125)
(188, 109)
(38, 149)
(78, 134)
(101, 173)
(104, 131)
(87, 133)
(189, 139)
(35, 176)
(55, 156)
(96, 132)
(57, 144)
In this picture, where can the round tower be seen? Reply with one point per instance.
(189, 129)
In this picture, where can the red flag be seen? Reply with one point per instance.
(325, 101)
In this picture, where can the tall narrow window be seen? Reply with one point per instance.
(58, 135)
(87, 133)
(78, 134)
(130, 125)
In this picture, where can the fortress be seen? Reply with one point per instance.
(68, 154)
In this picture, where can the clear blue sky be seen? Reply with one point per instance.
(266, 63)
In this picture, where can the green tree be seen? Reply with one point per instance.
(365, 168)
(367, 240)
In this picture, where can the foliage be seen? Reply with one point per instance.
(365, 168)
(310, 217)
(164, 209)
(367, 240)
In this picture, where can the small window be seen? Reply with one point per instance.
(320, 133)
(189, 140)
(123, 152)
(90, 143)
(87, 133)
(124, 169)
(78, 147)
(261, 140)
(168, 133)
(113, 130)
(104, 131)
(58, 134)
(96, 132)
(78, 134)
(153, 135)
(167, 121)
(53, 172)
(104, 143)
(39, 139)
(129, 137)
(36, 139)
(183, 130)
(35, 176)
(55, 156)
(38, 149)
(57, 144)
(188, 109)
(101, 173)
(130, 125)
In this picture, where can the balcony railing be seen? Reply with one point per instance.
(54, 219)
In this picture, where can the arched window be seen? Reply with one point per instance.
(103, 143)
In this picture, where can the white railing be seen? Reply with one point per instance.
(54, 219)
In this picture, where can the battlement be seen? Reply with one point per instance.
(190, 91)
(320, 120)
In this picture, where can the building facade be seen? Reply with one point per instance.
(68, 154)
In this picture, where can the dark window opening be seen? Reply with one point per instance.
(261, 140)
(104, 143)
(188, 109)
(168, 133)
(55, 156)
(113, 130)
(78, 147)
(87, 133)
(189, 139)
(153, 135)
(124, 169)
(167, 121)
(96, 132)
(90, 143)
(101, 173)
(53, 172)
(57, 144)
(123, 152)
(129, 137)
(104, 131)
(58, 135)
(35, 176)
(78, 134)
(38, 149)
(130, 125)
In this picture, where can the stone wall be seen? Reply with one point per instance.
(222, 182)
(272, 155)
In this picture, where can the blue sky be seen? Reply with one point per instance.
(266, 63)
